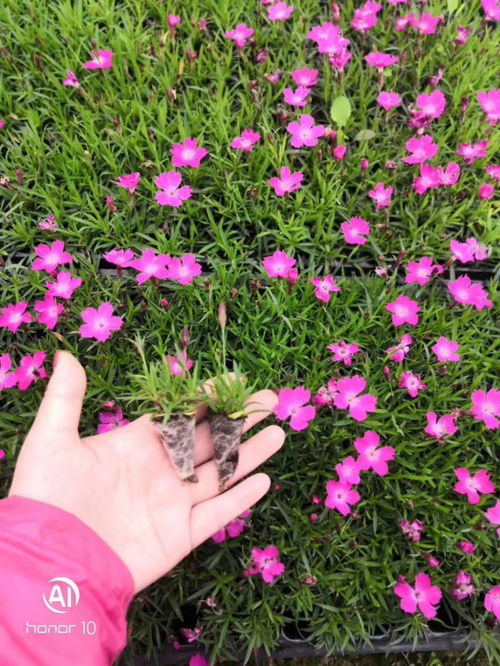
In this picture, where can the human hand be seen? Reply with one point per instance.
(122, 483)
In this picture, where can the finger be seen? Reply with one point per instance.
(212, 515)
(62, 403)
(263, 401)
(208, 386)
(252, 453)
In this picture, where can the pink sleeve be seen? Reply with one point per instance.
(64, 593)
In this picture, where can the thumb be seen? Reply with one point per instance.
(62, 403)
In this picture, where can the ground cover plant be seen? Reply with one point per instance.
(306, 189)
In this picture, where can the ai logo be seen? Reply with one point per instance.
(64, 595)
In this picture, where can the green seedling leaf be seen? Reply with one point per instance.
(340, 111)
(365, 135)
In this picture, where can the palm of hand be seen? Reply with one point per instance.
(123, 485)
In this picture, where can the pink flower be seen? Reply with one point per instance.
(401, 350)
(278, 264)
(381, 60)
(467, 547)
(381, 195)
(121, 258)
(462, 252)
(435, 81)
(7, 379)
(371, 456)
(184, 269)
(237, 526)
(492, 514)
(463, 586)
(486, 407)
(110, 420)
(429, 179)
(404, 311)
(266, 563)
(2, 123)
(490, 104)
(433, 561)
(187, 154)
(348, 397)
(49, 311)
(111, 205)
(173, 20)
(341, 496)
(240, 35)
(420, 272)
(401, 23)
(472, 151)
(326, 394)
(324, 287)
(191, 635)
(389, 100)
(71, 80)
(463, 35)
(30, 369)
(130, 181)
(274, 77)
(287, 182)
(14, 316)
(49, 257)
(424, 596)
(491, 9)
(438, 428)
(246, 141)
(305, 77)
(297, 97)
(493, 170)
(198, 659)
(171, 194)
(467, 293)
(232, 529)
(412, 531)
(292, 403)
(100, 60)
(492, 598)
(426, 24)
(305, 132)
(348, 471)
(343, 351)
(179, 365)
(355, 230)
(64, 286)
(450, 176)
(412, 383)
(280, 11)
(339, 152)
(486, 191)
(472, 486)
(48, 224)
(446, 350)
(422, 149)
(433, 105)
(365, 17)
(151, 265)
(99, 323)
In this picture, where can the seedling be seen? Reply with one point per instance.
(228, 404)
(173, 401)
